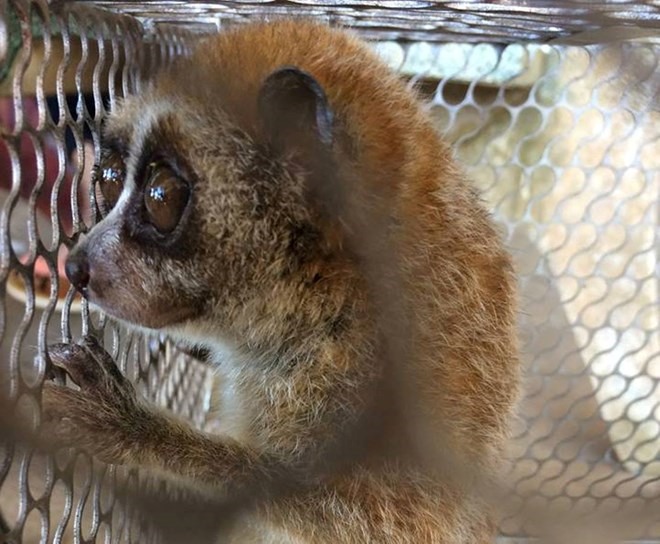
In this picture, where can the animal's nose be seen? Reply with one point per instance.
(77, 270)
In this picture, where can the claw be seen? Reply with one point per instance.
(93, 418)
(91, 343)
(77, 363)
(101, 356)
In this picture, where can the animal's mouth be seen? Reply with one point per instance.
(141, 314)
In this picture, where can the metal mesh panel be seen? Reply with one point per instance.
(62, 69)
(563, 140)
(418, 20)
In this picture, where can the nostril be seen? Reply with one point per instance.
(77, 271)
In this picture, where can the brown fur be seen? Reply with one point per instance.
(372, 364)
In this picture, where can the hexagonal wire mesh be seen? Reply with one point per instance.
(562, 139)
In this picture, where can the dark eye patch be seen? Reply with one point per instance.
(165, 198)
(159, 212)
(110, 174)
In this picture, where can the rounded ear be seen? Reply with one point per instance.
(297, 121)
(294, 112)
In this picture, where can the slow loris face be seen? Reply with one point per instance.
(200, 217)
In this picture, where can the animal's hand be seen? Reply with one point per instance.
(103, 417)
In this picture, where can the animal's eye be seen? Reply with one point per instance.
(110, 181)
(165, 198)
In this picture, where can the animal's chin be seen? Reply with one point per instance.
(141, 318)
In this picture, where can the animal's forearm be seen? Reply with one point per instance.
(220, 465)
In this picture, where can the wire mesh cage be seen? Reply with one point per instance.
(552, 110)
